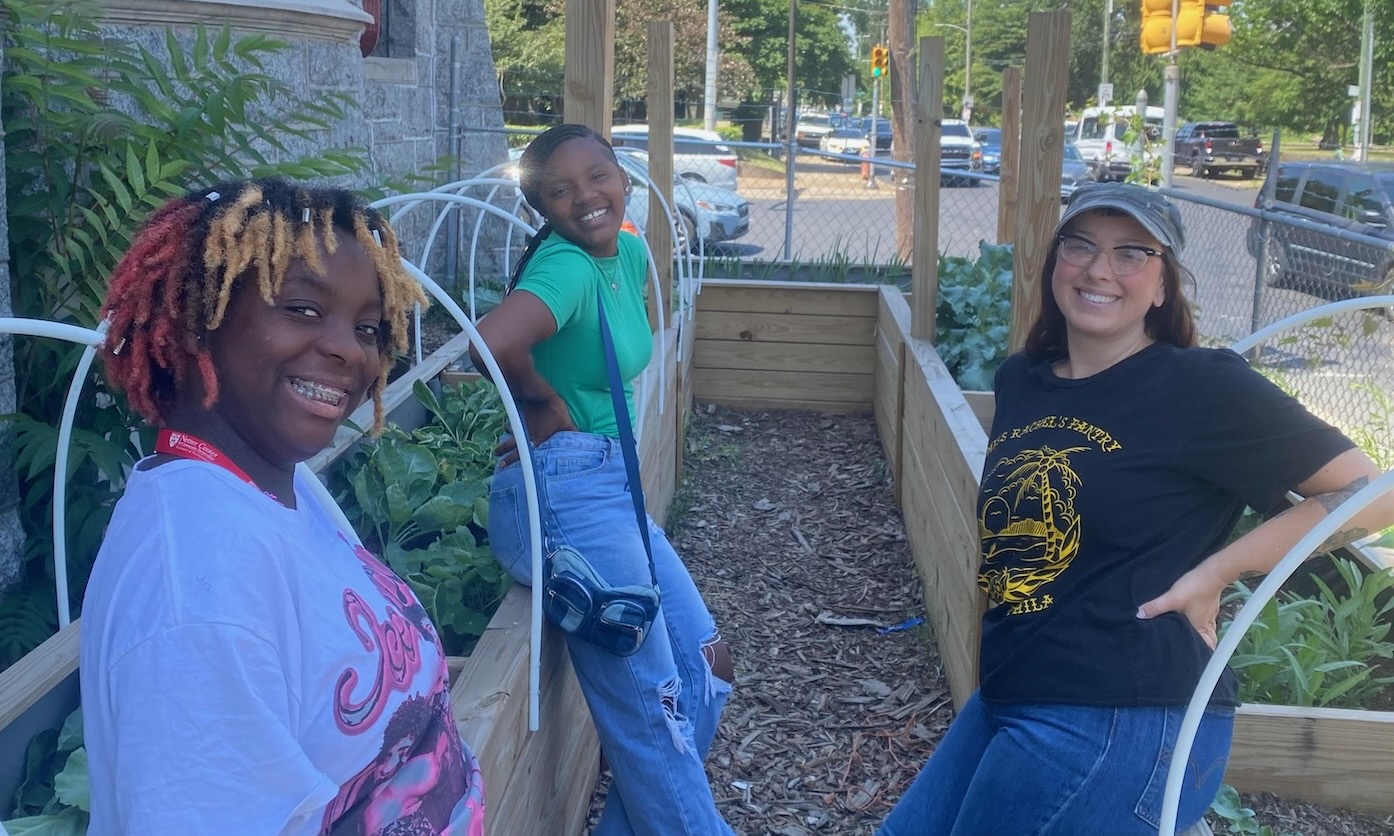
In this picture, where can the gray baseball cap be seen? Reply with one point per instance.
(1158, 216)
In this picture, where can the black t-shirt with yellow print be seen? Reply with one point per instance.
(1097, 494)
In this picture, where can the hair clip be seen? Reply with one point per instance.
(305, 218)
(377, 236)
(212, 197)
(117, 350)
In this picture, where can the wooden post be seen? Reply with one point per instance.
(589, 67)
(1011, 155)
(660, 109)
(929, 107)
(1042, 147)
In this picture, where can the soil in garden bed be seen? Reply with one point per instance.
(789, 525)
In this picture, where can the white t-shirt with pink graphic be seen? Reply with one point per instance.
(246, 668)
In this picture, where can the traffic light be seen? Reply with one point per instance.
(1156, 26)
(880, 61)
(1198, 23)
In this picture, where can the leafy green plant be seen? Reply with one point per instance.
(52, 799)
(1319, 651)
(974, 314)
(420, 499)
(1238, 819)
(99, 133)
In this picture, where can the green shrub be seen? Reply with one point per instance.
(974, 314)
(1319, 651)
(420, 500)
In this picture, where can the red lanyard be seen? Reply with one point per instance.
(187, 446)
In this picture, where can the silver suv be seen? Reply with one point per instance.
(1347, 197)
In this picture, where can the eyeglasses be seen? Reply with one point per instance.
(1125, 260)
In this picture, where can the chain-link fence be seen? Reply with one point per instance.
(1253, 268)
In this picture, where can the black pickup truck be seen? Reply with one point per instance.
(1212, 147)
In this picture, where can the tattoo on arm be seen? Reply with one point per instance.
(1331, 501)
(1344, 537)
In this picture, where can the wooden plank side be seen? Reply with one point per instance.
(769, 405)
(984, 405)
(948, 605)
(38, 672)
(721, 384)
(489, 699)
(785, 357)
(1327, 756)
(552, 781)
(786, 298)
(785, 328)
(928, 427)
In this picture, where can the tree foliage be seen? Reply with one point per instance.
(823, 53)
(1288, 64)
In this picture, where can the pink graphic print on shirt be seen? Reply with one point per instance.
(423, 782)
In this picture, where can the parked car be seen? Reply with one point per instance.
(883, 132)
(990, 141)
(708, 214)
(1346, 197)
(957, 149)
(1101, 136)
(1212, 147)
(811, 128)
(844, 141)
(1074, 172)
(698, 154)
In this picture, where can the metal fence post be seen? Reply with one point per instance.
(1261, 254)
(453, 225)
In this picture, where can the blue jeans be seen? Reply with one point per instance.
(1060, 770)
(656, 711)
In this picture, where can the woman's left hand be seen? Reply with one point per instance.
(1195, 595)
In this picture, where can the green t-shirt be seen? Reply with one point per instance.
(566, 279)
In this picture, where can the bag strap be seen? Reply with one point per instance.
(626, 430)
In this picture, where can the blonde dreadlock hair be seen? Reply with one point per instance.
(179, 273)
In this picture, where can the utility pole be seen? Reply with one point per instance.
(1171, 92)
(790, 147)
(709, 93)
(1367, 80)
(968, 62)
(1103, 64)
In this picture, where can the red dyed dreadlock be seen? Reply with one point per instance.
(177, 277)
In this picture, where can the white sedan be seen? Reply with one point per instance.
(844, 141)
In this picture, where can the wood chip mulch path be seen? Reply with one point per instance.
(788, 523)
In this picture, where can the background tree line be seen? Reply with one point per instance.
(1288, 65)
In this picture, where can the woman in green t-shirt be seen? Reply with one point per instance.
(656, 710)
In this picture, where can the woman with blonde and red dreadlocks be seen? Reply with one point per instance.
(247, 666)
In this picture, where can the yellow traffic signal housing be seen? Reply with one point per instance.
(880, 61)
(1156, 26)
(1215, 28)
(1198, 23)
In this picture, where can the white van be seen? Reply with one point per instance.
(697, 154)
(1099, 136)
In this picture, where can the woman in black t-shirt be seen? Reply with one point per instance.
(1120, 457)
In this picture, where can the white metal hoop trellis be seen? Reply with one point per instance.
(91, 338)
(1248, 614)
